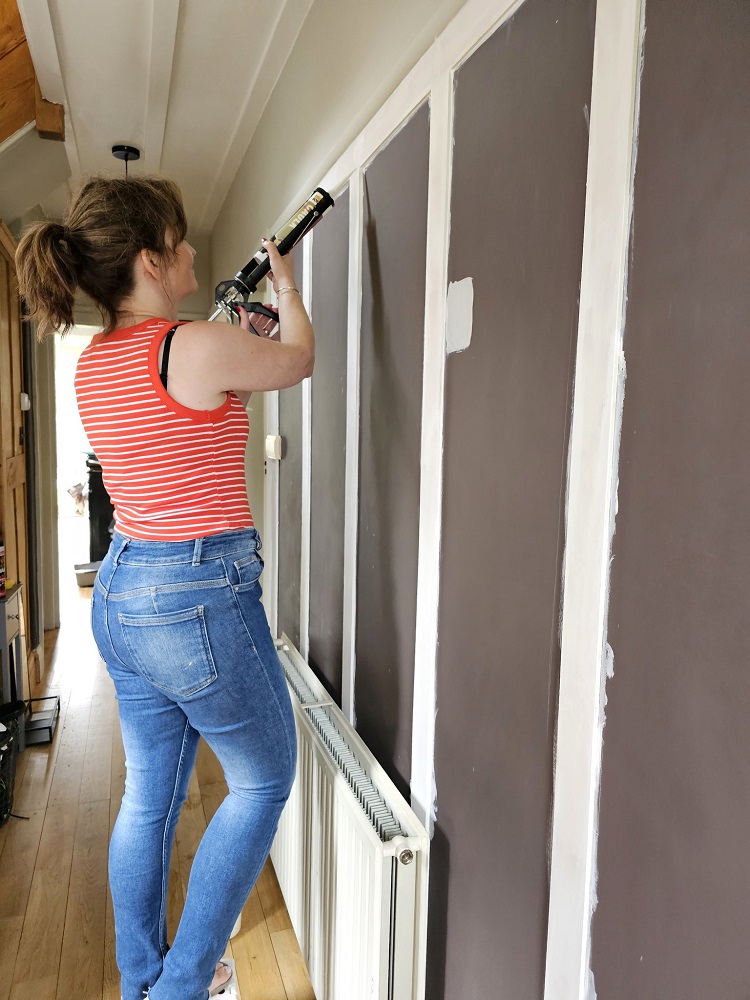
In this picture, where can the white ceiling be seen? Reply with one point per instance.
(185, 81)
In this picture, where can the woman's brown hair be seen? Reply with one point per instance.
(94, 248)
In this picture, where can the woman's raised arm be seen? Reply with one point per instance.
(223, 357)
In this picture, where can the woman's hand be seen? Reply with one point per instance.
(264, 326)
(282, 268)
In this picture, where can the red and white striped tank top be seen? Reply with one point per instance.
(172, 473)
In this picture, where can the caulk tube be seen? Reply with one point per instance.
(286, 238)
(246, 281)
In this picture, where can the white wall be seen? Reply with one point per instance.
(30, 168)
(348, 59)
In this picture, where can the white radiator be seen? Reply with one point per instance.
(351, 857)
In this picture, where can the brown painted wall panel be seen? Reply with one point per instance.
(517, 212)
(393, 273)
(674, 865)
(290, 511)
(330, 269)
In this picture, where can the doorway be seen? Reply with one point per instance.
(72, 473)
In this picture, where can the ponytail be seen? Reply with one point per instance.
(107, 225)
(48, 264)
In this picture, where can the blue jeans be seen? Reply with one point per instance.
(185, 639)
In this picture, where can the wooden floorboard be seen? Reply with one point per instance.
(10, 937)
(56, 921)
(283, 939)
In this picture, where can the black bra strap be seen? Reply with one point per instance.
(165, 355)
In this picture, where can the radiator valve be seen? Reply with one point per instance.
(406, 856)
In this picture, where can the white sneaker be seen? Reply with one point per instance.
(228, 990)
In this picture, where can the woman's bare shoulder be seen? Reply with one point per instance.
(229, 357)
(205, 328)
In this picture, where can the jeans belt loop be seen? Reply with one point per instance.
(123, 545)
(197, 552)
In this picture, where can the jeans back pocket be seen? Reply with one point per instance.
(171, 650)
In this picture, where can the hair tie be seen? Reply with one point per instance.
(67, 236)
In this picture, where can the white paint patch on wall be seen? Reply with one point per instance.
(459, 316)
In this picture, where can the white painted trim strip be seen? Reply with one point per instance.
(431, 475)
(351, 486)
(591, 491)
(164, 15)
(271, 508)
(304, 590)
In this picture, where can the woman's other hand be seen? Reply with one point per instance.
(264, 326)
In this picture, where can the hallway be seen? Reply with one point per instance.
(56, 924)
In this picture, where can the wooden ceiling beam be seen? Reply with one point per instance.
(11, 27)
(38, 23)
(21, 99)
(50, 118)
(17, 81)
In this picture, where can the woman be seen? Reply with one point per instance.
(176, 609)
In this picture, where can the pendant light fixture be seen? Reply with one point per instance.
(126, 153)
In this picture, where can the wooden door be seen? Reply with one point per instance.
(13, 527)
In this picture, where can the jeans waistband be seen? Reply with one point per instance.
(195, 550)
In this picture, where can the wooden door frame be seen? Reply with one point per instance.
(13, 469)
